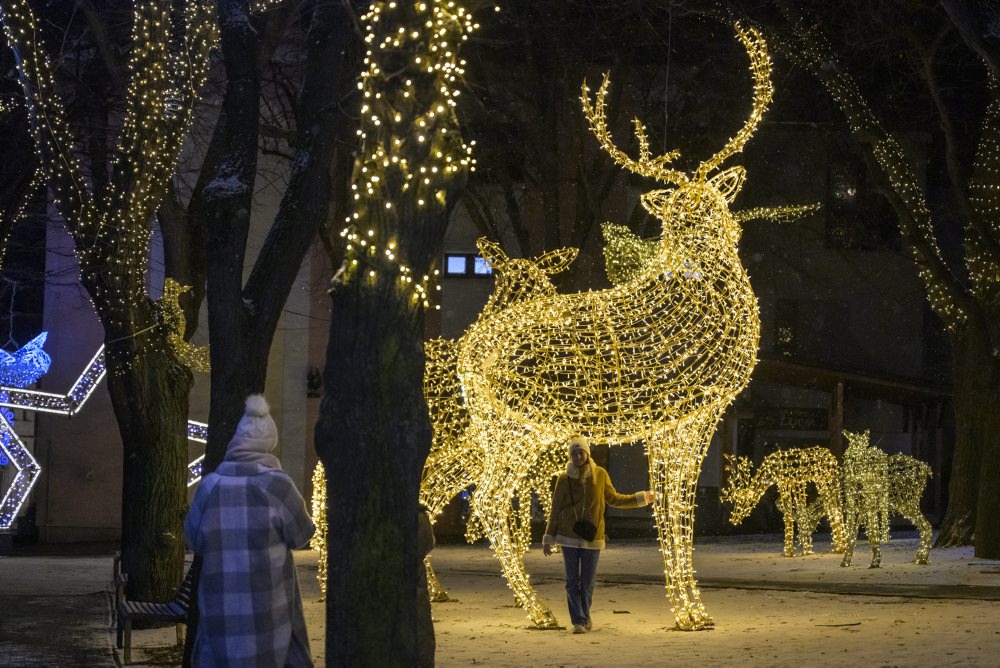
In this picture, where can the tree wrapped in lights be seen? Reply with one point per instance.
(411, 164)
(876, 486)
(656, 359)
(109, 216)
(791, 471)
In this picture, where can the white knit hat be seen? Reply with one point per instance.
(256, 430)
(578, 442)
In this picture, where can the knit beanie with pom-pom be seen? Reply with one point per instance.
(256, 433)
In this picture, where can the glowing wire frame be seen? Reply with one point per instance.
(28, 471)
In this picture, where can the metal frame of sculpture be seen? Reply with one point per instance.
(657, 359)
(791, 470)
(876, 486)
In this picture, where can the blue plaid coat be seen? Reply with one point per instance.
(244, 519)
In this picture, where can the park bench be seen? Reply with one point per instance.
(126, 612)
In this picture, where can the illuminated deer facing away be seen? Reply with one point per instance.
(791, 471)
(656, 359)
(876, 486)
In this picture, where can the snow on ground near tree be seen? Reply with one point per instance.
(769, 610)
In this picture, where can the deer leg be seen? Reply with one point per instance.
(674, 474)
(875, 534)
(442, 481)
(437, 592)
(830, 501)
(851, 530)
(803, 520)
(787, 508)
(915, 517)
(493, 508)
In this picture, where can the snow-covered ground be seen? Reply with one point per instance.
(768, 610)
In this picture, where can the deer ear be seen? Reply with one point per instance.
(555, 261)
(729, 182)
(491, 252)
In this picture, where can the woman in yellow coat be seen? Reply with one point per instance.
(579, 499)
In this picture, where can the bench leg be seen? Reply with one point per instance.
(128, 641)
(180, 633)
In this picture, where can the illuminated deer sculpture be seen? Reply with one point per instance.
(655, 359)
(876, 486)
(454, 462)
(791, 471)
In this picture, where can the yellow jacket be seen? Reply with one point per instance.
(591, 494)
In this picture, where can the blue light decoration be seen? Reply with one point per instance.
(26, 364)
(28, 470)
(71, 402)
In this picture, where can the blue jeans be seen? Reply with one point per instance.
(581, 568)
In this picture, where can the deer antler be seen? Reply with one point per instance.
(760, 67)
(646, 165)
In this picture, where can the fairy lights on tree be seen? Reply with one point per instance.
(656, 359)
(791, 470)
(876, 486)
(111, 229)
(411, 151)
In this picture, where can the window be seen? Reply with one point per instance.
(466, 265)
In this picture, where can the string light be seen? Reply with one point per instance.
(657, 359)
(27, 467)
(410, 148)
(318, 540)
(791, 470)
(876, 486)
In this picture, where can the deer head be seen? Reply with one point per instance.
(518, 279)
(739, 474)
(698, 203)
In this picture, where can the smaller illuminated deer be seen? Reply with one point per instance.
(876, 486)
(453, 462)
(791, 471)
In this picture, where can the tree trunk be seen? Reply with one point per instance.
(987, 537)
(150, 394)
(373, 435)
(977, 426)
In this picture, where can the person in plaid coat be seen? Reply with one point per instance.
(244, 520)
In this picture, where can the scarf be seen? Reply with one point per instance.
(583, 473)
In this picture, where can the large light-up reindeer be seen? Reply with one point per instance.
(655, 359)
(791, 470)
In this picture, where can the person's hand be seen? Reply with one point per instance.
(649, 497)
(547, 550)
